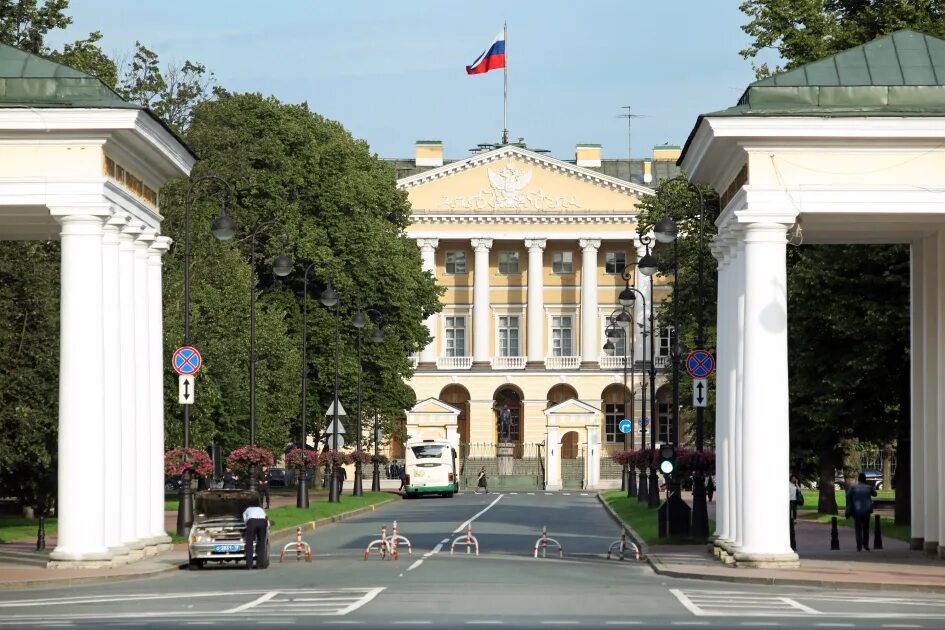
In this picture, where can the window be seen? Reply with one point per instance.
(508, 336)
(562, 262)
(667, 337)
(615, 263)
(561, 335)
(620, 344)
(456, 336)
(508, 263)
(455, 262)
(613, 414)
(665, 419)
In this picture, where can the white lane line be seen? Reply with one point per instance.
(567, 494)
(371, 594)
(562, 622)
(685, 601)
(445, 541)
(547, 494)
(416, 564)
(585, 494)
(799, 606)
(435, 550)
(834, 625)
(531, 494)
(403, 623)
(485, 622)
(259, 600)
(901, 625)
(760, 623)
(690, 623)
(480, 513)
(623, 623)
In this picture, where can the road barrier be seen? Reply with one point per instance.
(834, 535)
(302, 548)
(543, 543)
(383, 546)
(622, 545)
(468, 541)
(877, 537)
(395, 537)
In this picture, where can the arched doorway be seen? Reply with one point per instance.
(509, 397)
(560, 393)
(569, 445)
(617, 405)
(664, 415)
(458, 396)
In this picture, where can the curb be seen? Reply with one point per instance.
(288, 532)
(634, 536)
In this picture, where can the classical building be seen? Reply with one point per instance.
(531, 251)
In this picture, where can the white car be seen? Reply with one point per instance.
(217, 534)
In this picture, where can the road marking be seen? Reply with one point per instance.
(585, 494)
(531, 494)
(547, 494)
(690, 623)
(567, 494)
(403, 623)
(259, 600)
(416, 564)
(623, 623)
(799, 606)
(485, 622)
(480, 513)
(901, 625)
(445, 541)
(561, 623)
(834, 625)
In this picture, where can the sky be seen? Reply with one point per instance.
(393, 71)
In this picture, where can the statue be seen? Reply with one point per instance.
(505, 424)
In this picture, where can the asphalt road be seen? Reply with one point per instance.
(504, 585)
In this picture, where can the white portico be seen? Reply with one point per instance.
(849, 148)
(86, 170)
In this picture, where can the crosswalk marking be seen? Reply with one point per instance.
(727, 603)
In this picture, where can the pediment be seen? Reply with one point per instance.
(572, 407)
(512, 180)
(433, 406)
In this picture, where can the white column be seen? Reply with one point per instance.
(111, 336)
(142, 384)
(535, 348)
(481, 300)
(590, 320)
(736, 485)
(766, 540)
(81, 496)
(428, 262)
(937, 435)
(156, 386)
(932, 277)
(917, 429)
(642, 316)
(592, 472)
(552, 457)
(723, 380)
(126, 382)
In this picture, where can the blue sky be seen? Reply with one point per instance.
(393, 71)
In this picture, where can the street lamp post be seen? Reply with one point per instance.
(330, 299)
(621, 320)
(359, 321)
(647, 266)
(666, 231)
(185, 510)
(376, 475)
(627, 299)
(301, 499)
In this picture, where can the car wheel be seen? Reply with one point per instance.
(448, 495)
(263, 559)
(195, 564)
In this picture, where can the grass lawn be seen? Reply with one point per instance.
(17, 528)
(812, 496)
(643, 519)
(890, 529)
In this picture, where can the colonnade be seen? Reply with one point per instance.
(110, 504)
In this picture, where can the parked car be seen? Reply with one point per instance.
(173, 484)
(873, 476)
(278, 478)
(217, 532)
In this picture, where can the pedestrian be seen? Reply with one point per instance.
(402, 473)
(255, 535)
(229, 479)
(262, 485)
(795, 496)
(392, 470)
(710, 488)
(482, 481)
(860, 506)
(341, 474)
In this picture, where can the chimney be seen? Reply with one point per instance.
(588, 155)
(666, 152)
(429, 153)
(647, 171)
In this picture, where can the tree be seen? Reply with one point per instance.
(85, 55)
(336, 205)
(24, 23)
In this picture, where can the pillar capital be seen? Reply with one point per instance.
(773, 233)
(536, 244)
(428, 243)
(160, 246)
(589, 244)
(481, 244)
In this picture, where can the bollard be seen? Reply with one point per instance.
(877, 537)
(41, 532)
(544, 541)
(834, 535)
(468, 540)
(302, 548)
(396, 539)
(383, 546)
(622, 545)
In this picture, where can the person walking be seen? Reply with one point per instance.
(229, 479)
(710, 488)
(795, 497)
(262, 485)
(341, 474)
(482, 481)
(255, 536)
(402, 475)
(860, 507)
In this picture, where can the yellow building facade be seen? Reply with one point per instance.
(531, 251)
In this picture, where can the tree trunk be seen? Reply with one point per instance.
(827, 501)
(887, 466)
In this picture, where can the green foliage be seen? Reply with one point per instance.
(24, 23)
(87, 56)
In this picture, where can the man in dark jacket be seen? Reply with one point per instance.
(860, 506)
(229, 479)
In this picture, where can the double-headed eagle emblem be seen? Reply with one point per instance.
(507, 183)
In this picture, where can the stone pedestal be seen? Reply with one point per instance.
(504, 453)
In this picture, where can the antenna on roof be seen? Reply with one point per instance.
(630, 116)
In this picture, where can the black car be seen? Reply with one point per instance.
(278, 478)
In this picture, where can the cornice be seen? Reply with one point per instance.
(523, 219)
(526, 156)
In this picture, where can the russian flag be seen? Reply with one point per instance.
(492, 59)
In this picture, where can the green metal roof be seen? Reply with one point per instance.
(28, 80)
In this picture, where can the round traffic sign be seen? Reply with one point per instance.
(644, 422)
(625, 426)
(186, 361)
(700, 364)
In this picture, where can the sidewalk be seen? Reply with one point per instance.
(894, 567)
(21, 566)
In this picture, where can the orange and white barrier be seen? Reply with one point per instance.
(396, 539)
(469, 541)
(622, 545)
(383, 546)
(302, 548)
(543, 543)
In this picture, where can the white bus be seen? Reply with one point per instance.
(430, 468)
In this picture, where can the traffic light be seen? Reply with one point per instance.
(667, 459)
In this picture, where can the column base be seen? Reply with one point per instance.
(118, 551)
(535, 365)
(552, 486)
(931, 547)
(916, 544)
(767, 560)
(153, 550)
(60, 555)
(481, 366)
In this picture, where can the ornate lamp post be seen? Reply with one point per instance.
(301, 499)
(620, 323)
(647, 266)
(376, 474)
(224, 230)
(359, 321)
(665, 232)
(627, 298)
(330, 299)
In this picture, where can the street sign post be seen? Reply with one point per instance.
(700, 392)
(186, 361)
(185, 389)
(625, 426)
(700, 364)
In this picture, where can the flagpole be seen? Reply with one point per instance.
(505, 87)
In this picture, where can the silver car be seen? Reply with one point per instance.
(217, 534)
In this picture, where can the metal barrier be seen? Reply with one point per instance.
(622, 545)
(302, 548)
(544, 541)
(468, 541)
(395, 537)
(383, 546)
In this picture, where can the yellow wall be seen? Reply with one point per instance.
(26, 160)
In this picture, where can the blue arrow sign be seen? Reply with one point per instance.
(625, 426)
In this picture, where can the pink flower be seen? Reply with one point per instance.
(179, 460)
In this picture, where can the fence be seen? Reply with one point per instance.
(488, 450)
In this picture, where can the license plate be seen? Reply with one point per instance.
(226, 548)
